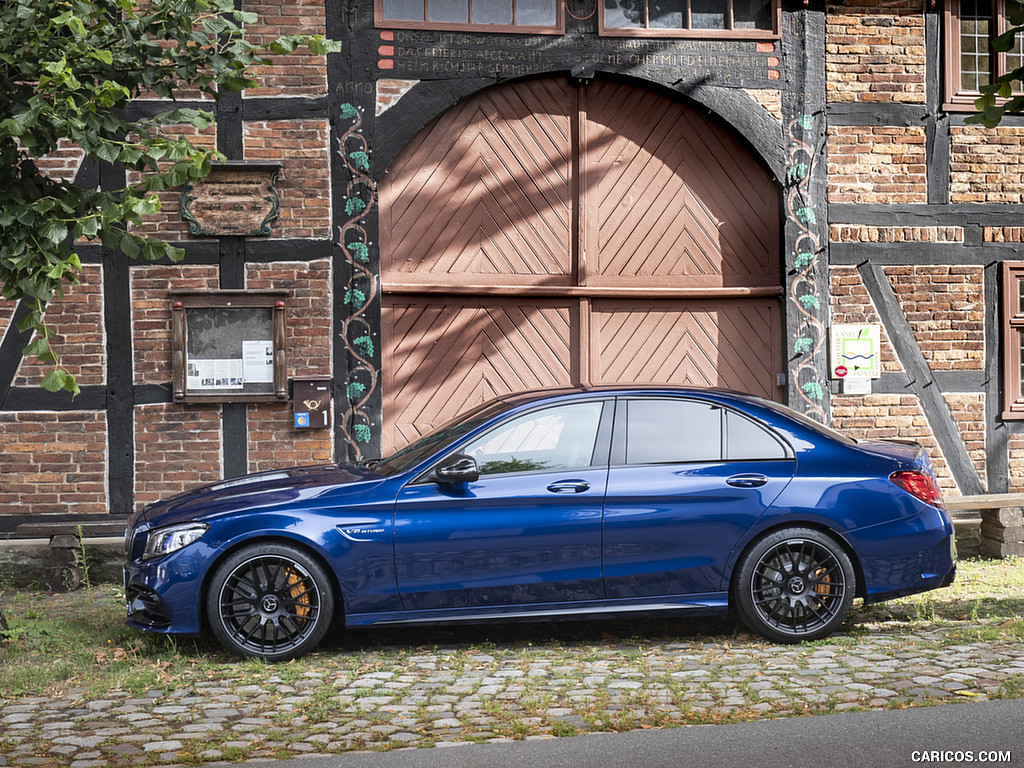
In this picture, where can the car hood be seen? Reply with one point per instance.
(259, 491)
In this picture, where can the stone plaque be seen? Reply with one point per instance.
(237, 199)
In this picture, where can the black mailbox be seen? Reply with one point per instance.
(311, 403)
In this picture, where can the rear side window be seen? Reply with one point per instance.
(747, 440)
(665, 431)
(662, 431)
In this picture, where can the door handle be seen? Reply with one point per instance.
(747, 481)
(569, 486)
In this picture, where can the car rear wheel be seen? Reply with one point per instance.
(793, 585)
(272, 600)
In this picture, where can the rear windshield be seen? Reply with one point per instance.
(805, 421)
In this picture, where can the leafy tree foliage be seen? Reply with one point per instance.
(68, 69)
(999, 99)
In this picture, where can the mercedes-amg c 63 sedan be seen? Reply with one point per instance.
(574, 502)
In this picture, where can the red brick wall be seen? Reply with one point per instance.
(968, 411)
(302, 149)
(304, 186)
(177, 447)
(1017, 462)
(987, 165)
(53, 462)
(877, 164)
(296, 74)
(307, 313)
(875, 51)
(273, 440)
(77, 321)
(945, 307)
(62, 164)
(275, 443)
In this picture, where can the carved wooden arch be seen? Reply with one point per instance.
(732, 108)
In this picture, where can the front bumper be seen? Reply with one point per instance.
(165, 594)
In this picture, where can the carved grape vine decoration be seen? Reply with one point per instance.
(361, 289)
(804, 289)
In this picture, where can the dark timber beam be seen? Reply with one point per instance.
(11, 347)
(234, 416)
(117, 319)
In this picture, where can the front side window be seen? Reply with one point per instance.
(1013, 339)
(563, 437)
(690, 18)
(971, 63)
(537, 16)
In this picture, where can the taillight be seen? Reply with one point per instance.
(920, 486)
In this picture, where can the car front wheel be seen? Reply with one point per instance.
(793, 585)
(272, 601)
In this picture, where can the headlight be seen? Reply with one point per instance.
(163, 541)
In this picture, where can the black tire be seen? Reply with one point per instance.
(794, 585)
(271, 600)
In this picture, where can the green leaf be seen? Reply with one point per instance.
(55, 230)
(55, 380)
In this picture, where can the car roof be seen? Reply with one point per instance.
(523, 398)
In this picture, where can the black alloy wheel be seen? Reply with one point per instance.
(794, 585)
(272, 601)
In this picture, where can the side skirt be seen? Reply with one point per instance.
(696, 605)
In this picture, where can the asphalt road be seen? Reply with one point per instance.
(978, 733)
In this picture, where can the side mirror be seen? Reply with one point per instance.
(457, 468)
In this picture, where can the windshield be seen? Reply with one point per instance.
(415, 452)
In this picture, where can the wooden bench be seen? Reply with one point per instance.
(63, 570)
(1002, 523)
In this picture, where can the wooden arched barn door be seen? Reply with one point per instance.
(544, 233)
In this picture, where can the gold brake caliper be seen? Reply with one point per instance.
(302, 601)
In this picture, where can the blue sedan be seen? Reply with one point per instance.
(574, 502)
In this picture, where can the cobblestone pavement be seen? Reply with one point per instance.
(372, 698)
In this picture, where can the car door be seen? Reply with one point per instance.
(527, 531)
(688, 478)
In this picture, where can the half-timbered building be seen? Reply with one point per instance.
(482, 196)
